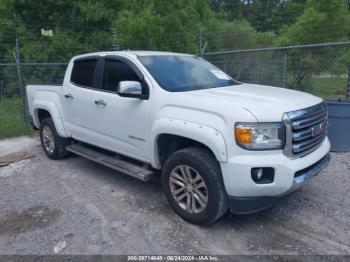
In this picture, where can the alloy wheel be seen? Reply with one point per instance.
(48, 139)
(188, 188)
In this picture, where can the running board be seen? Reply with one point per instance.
(119, 165)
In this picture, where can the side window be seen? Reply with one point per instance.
(116, 71)
(83, 72)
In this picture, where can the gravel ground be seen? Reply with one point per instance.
(75, 206)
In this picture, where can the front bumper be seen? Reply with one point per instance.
(245, 205)
(237, 171)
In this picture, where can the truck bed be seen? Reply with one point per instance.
(41, 92)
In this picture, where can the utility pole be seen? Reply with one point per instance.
(18, 61)
(200, 41)
(201, 46)
(115, 45)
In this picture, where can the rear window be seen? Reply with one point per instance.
(83, 72)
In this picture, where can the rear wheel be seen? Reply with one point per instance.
(54, 145)
(193, 185)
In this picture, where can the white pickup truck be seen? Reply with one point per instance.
(220, 144)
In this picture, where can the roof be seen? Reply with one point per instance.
(150, 53)
(133, 53)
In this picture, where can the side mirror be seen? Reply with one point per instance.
(129, 89)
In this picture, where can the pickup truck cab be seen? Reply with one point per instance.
(220, 144)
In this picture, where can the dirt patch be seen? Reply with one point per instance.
(14, 157)
(32, 218)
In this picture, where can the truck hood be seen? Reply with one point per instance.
(265, 103)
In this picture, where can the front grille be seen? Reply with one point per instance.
(306, 129)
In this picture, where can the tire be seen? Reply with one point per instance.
(56, 150)
(195, 161)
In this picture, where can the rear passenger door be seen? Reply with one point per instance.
(121, 122)
(77, 97)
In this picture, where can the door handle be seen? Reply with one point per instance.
(69, 96)
(100, 103)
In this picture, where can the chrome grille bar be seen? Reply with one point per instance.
(309, 121)
(306, 129)
(301, 135)
(307, 144)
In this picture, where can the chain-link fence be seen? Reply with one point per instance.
(15, 73)
(321, 69)
(31, 73)
(8, 80)
(13, 79)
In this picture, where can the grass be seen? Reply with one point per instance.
(12, 120)
(329, 88)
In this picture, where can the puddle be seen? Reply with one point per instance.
(32, 218)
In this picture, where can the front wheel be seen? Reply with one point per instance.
(193, 185)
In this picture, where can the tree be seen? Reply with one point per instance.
(321, 21)
(264, 15)
(77, 27)
(164, 25)
(240, 35)
(227, 9)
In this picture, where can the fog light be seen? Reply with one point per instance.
(263, 175)
(259, 173)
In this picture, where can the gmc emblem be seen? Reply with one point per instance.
(318, 129)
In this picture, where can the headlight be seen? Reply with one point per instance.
(260, 136)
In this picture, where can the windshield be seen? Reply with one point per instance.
(185, 73)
